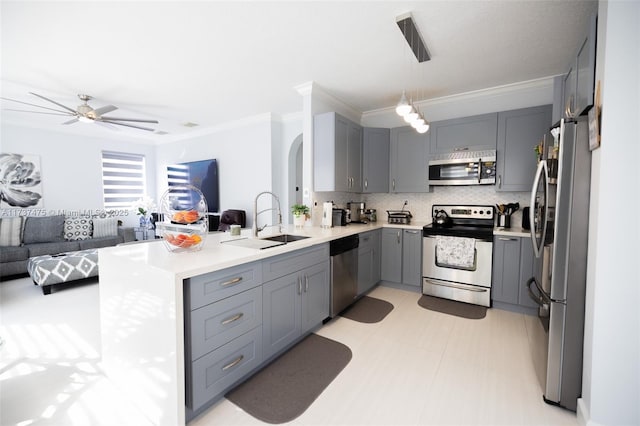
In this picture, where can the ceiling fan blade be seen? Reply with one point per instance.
(105, 109)
(38, 112)
(138, 120)
(39, 106)
(127, 125)
(54, 102)
(75, 120)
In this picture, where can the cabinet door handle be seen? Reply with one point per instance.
(393, 184)
(306, 283)
(499, 181)
(231, 282)
(299, 285)
(366, 183)
(398, 236)
(233, 363)
(231, 319)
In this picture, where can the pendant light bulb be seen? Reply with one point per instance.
(423, 128)
(418, 122)
(412, 116)
(404, 107)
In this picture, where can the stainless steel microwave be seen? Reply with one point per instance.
(463, 168)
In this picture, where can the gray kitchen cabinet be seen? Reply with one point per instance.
(368, 260)
(391, 263)
(519, 131)
(475, 133)
(375, 160)
(580, 78)
(513, 265)
(223, 331)
(401, 256)
(337, 153)
(412, 257)
(408, 160)
(506, 269)
(296, 301)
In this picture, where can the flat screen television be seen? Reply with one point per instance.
(201, 174)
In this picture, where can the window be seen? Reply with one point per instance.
(123, 179)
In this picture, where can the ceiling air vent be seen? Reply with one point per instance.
(189, 124)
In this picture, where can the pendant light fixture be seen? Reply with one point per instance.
(405, 108)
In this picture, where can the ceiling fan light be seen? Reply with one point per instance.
(404, 107)
(84, 119)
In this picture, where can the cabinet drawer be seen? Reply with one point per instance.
(213, 325)
(214, 286)
(291, 262)
(219, 370)
(366, 240)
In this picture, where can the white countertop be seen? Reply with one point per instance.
(216, 255)
(514, 231)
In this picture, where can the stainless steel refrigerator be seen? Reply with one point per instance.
(559, 218)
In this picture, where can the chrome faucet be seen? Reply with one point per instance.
(256, 213)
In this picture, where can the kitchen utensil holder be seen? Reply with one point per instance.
(504, 221)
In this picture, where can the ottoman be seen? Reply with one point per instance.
(61, 268)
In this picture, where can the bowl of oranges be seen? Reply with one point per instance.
(185, 219)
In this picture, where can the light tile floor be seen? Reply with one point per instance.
(414, 367)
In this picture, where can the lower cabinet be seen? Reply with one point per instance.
(402, 256)
(235, 322)
(294, 303)
(513, 265)
(368, 261)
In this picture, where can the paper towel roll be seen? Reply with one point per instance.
(327, 215)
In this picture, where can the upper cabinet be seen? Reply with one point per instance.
(519, 131)
(408, 160)
(337, 153)
(476, 133)
(580, 78)
(375, 160)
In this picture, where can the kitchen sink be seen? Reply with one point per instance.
(285, 238)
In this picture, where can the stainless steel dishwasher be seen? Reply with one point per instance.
(344, 272)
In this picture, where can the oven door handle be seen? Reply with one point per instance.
(458, 286)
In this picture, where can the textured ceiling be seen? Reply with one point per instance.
(212, 62)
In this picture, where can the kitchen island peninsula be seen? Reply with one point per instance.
(153, 347)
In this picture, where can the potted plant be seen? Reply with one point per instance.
(300, 214)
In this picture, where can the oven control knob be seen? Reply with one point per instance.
(481, 212)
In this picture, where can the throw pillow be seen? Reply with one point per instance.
(43, 229)
(107, 227)
(10, 230)
(77, 228)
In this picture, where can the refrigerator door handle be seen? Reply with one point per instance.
(537, 246)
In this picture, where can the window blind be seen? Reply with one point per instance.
(123, 179)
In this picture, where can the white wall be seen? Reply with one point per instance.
(71, 166)
(244, 154)
(611, 371)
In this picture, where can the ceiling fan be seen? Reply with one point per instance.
(86, 114)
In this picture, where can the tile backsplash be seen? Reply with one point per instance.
(419, 204)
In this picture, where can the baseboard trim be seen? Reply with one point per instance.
(583, 416)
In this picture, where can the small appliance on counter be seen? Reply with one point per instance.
(371, 215)
(339, 217)
(357, 210)
(525, 219)
(401, 217)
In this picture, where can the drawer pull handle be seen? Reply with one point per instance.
(233, 363)
(507, 239)
(229, 320)
(231, 282)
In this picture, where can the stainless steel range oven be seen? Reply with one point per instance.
(457, 253)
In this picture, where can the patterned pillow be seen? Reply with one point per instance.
(107, 227)
(10, 231)
(77, 228)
